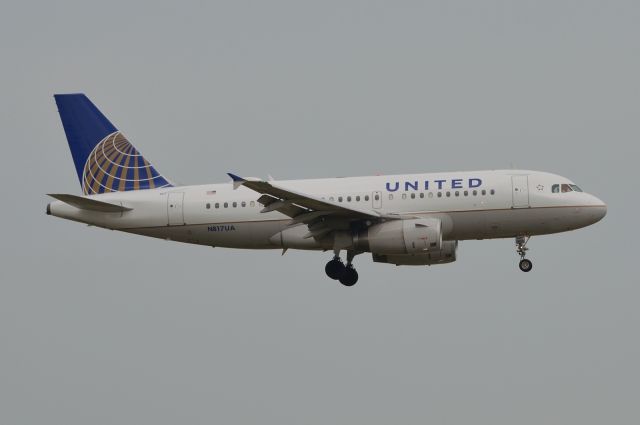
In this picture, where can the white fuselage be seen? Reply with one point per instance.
(470, 205)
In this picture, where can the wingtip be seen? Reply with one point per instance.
(235, 178)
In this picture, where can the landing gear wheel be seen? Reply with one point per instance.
(521, 248)
(525, 265)
(335, 269)
(350, 276)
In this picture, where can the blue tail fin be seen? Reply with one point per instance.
(105, 160)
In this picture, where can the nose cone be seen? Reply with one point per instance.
(598, 209)
(599, 212)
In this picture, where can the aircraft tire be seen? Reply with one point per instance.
(525, 265)
(335, 269)
(350, 276)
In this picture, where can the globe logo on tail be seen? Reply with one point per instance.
(115, 165)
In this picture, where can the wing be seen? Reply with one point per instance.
(322, 216)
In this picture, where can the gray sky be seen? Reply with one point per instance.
(107, 328)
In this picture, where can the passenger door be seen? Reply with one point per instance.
(175, 209)
(520, 191)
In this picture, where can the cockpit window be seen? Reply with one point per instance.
(564, 188)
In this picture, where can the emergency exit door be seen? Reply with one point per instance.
(377, 200)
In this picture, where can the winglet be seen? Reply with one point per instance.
(237, 180)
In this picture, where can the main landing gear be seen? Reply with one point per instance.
(521, 248)
(337, 270)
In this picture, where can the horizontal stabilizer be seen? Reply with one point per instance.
(88, 203)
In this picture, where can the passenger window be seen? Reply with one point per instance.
(357, 199)
(366, 197)
(348, 198)
(555, 188)
(331, 198)
(226, 205)
(457, 193)
(208, 205)
(421, 195)
(448, 194)
(493, 192)
(217, 205)
(413, 196)
(244, 204)
(475, 193)
(377, 198)
(466, 193)
(439, 194)
(404, 196)
(252, 204)
(430, 194)
(235, 204)
(484, 192)
(339, 198)
(391, 197)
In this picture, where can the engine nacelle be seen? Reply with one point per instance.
(410, 236)
(447, 254)
(294, 237)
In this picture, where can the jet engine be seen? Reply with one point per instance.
(411, 236)
(446, 254)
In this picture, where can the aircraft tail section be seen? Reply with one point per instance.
(105, 161)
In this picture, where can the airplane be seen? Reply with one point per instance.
(408, 219)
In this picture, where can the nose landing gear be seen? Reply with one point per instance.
(521, 248)
(337, 270)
